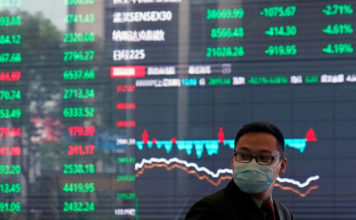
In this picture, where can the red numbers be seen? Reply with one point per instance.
(7, 132)
(10, 151)
(126, 88)
(81, 150)
(81, 131)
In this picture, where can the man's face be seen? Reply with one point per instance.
(262, 144)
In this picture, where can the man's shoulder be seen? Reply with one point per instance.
(283, 211)
(223, 204)
(215, 198)
(208, 207)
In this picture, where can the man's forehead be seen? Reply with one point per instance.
(258, 141)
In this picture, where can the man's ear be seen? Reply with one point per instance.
(283, 166)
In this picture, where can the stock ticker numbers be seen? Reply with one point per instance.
(11, 113)
(174, 68)
(78, 59)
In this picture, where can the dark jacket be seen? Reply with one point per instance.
(231, 203)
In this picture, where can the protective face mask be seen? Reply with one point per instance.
(253, 177)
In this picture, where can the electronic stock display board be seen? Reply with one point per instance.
(127, 109)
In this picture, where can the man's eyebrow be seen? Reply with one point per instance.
(244, 148)
(265, 151)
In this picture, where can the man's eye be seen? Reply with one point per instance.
(245, 156)
(264, 158)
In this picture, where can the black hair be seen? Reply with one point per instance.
(263, 127)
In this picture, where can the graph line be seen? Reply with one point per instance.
(295, 182)
(193, 168)
(218, 181)
(297, 191)
(183, 162)
(212, 146)
(200, 177)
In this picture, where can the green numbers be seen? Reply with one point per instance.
(7, 188)
(79, 169)
(10, 169)
(10, 21)
(78, 37)
(10, 39)
(79, 112)
(10, 3)
(79, 187)
(80, 18)
(79, 74)
(228, 13)
(227, 32)
(78, 207)
(338, 29)
(279, 11)
(6, 113)
(263, 80)
(311, 79)
(126, 160)
(129, 178)
(10, 94)
(79, 93)
(338, 48)
(219, 81)
(78, 2)
(10, 57)
(283, 31)
(338, 9)
(126, 196)
(281, 50)
(87, 55)
(237, 51)
(10, 206)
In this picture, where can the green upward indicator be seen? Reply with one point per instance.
(278, 11)
(283, 31)
(337, 9)
(338, 29)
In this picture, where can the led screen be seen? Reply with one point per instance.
(128, 109)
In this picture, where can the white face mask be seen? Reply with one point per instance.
(252, 177)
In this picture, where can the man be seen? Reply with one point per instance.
(257, 161)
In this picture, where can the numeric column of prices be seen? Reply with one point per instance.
(228, 33)
(10, 106)
(77, 59)
(126, 198)
(9, 186)
(341, 30)
(284, 32)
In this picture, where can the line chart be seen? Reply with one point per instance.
(212, 146)
(216, 178)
